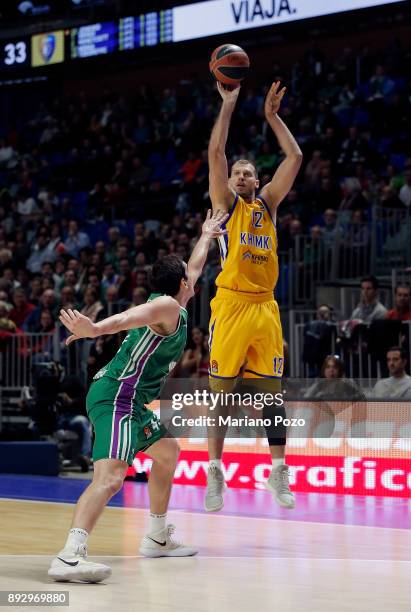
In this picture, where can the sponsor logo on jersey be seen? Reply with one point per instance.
(255, 259)
(255, 240)
(214, 366)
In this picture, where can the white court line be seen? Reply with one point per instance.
(214, 515)
(199, 556)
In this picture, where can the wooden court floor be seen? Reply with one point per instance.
(244, 564)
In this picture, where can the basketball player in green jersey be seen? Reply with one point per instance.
(157, 334)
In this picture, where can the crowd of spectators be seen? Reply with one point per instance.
(93, 190)
(369, 331)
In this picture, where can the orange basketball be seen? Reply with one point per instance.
(229, 64)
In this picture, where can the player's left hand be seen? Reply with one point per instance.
(273, 100)
(79, 325)
(214, 221)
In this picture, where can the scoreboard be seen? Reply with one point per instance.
(94, 39)
(33, 51)
(15, 53)
(146, 30)
(176, 24)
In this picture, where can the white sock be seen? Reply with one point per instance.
(277, 462)
(75, 538)
(215, 463)
(157, 522)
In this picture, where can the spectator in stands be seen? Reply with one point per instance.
(318, 336)
(113, 303)
(36, 290)
(353, 149)
(334, 386)
(109, 277)
(402, 309)
(370, 308)
(358, 234)
(72, 415)
(27, 207)
(405, 191)
(194, 355)
(314, 254)
(21, 309)
(332, 368)
(68, 298)
(353, 198)
(139, 296)
(92, 306)
(328, 193)
(189, 169)
(48, 302)
(139, 176)
(10, 277)
(203, 361)
(101, 352)
(75, 240)
(313, 168)
(332, 229)
(142, 279)
(398, 385)
(47, 271)
(7, 153)
(289, 237)
(380, 85)
(389, 198)
(46, 324)
(7, 325)
(125, 281)
(41, 252)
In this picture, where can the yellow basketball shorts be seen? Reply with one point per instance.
(245, 336)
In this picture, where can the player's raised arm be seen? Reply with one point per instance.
(162, 310)
(220, 193)
(211, 229)
(287, 171)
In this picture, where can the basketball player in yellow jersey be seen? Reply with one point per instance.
(245, 327)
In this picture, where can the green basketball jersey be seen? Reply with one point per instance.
(144, 360)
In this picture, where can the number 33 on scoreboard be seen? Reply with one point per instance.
(16, 53)
(278, 364)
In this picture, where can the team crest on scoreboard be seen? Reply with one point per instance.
(214, 366)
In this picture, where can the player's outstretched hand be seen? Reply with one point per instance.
(273, 100)
(78, 324)
(214, 221)
(228, 95)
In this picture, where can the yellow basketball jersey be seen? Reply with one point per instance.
(249, 252)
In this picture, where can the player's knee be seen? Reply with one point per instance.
(110, 482)
(113, 484)
(169, 456)
(174, 451)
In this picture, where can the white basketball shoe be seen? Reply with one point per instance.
(216, 487)
(73, 565)
(278, 484)
(161, 544)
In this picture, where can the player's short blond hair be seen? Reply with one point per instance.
(246, 162)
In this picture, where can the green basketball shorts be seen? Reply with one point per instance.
(121, 429)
